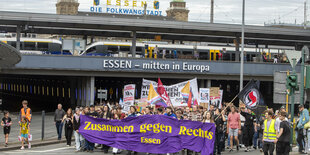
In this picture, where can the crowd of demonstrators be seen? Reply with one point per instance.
(238, 127)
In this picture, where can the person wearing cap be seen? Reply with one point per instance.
(303, 119)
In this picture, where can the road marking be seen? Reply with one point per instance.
(35, 151)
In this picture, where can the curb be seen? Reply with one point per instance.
(37, 143)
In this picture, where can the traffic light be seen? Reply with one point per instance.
(292, 82)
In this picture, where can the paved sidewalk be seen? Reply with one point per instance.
(35, 128)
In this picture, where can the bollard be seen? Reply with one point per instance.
(43, 115)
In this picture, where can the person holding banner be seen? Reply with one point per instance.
(170, 113)
(133, 113)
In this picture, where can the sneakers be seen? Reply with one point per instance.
(231, 150)
(6, 145)
(29, 145)
(237, 148)
(22, 148)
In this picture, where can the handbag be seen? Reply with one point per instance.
(307, 125)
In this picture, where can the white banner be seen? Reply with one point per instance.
(129, 97)
(217, 100)
(204, 95)
(146, 87)
(174, 91)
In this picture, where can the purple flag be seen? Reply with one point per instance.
(156, 134)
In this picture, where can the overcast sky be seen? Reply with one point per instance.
(258, 12)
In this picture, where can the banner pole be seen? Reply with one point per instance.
(228, 105)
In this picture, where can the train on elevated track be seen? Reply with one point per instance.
(205, 51)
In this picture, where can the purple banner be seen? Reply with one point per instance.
(156, 134)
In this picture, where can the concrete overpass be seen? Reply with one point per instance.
(141, 68)
(171, 30)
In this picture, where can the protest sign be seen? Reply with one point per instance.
(174, 91)
(216, 100)
(129, 97)
(156, 134)
(204, 95)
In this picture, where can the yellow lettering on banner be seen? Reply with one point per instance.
(149, 127)
(210, 135)
(142, 3)
(99, 127)
(125, 129)
(130, 128)
(189, 132)
(103, 128)
(150, 140)
(108, 2)
(206, 134)
(134, 3)
(118, 2)
(195, 132)
(182, 130)
(156, 128)
(87, 125)
(126, 3)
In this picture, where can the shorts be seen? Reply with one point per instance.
(24, 135)
(233, 132)
(6, 130)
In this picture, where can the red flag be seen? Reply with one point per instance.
(189, 102)
(162, 92)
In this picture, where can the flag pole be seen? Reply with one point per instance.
(228, 105)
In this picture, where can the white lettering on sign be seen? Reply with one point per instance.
(201, 68)
(127, 64)
(116, 64)
(156, 65)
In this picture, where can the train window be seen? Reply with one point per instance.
(53, 47)
(139, 50)
(42, 46)
(112, 48)
(29, 45)
(188, 52)
(203, 55)
(233, 57)
(91, 50)
(125, 48)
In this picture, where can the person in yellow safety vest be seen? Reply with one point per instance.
(270, 133)
(25, 111)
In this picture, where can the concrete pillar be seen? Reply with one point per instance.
(237, 44)
(84, 91)
(73, 100)
(201, 83)
(18, 30)
(92, 90)
(79, 92)
(133, 46)
(208, 83)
